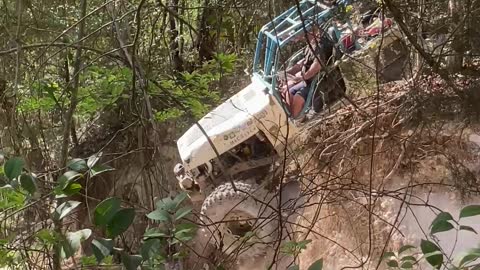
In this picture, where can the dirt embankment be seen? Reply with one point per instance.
(378, 171)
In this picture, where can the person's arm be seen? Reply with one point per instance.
(296, 68)
(312, 71)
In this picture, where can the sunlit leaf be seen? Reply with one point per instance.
(67, 178)
(92, 160)
(159, 215)
(99, 168)
(77, 164)
(72, 189)
(102, 248)
(64, 209)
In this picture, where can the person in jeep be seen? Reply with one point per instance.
(318, 54)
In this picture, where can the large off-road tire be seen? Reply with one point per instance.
(242, 222)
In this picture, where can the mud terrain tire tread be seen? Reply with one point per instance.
(224, 198)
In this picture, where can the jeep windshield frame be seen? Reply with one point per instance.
(283, 31)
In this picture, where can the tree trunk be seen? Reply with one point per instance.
(455, 59)
(205, 40)
(177, 61)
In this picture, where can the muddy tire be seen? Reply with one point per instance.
(240, 222)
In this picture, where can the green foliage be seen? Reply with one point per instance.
(13, 168)
(317, 265)
(294, 248)
(120, 222)
(64, 209)
(102, 248)
(105, 211)
(101, 88)
(195, 89)
(430, 251)
(470, 211)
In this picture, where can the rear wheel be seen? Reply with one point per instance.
(241, 222)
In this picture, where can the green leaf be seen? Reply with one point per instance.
(317, 265)
(102, 248)
(408, 258)
(72, 189)
(28, 183)
(67, 178)
(154, 233)
(467, 228)
(131, 262)
(185, 228)
(150, 247)
(159, 215)
(406, 265)
(87, 261)
(470, 211)
(46, 236)
(294, 267)
(180, 198)
(405, 248)
(182, 212)
(166, 204)
(472, 255)
(443, 216)
(74, 241)
(432, 253)
(105, 211)
(388, 255)
(392, 263)
(100, 168)
(120, 222)
(13, 167)
(64, 209)
(441, 226)
(78, 165)
(93, 160)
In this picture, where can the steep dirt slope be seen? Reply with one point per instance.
(377, 172)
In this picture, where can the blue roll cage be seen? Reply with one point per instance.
(279, 32)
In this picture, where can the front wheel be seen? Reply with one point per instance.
(241, 220)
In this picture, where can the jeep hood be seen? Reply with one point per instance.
(240, 117)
